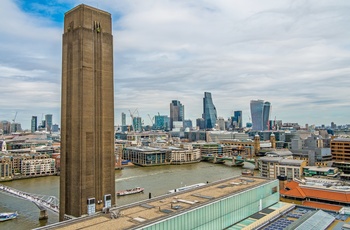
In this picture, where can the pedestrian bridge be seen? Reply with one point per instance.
(43, 202)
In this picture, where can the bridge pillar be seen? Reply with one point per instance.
(43, 215)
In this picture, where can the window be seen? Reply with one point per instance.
(274, 190)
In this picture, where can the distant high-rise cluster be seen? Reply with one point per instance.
(209, 111)
(260, 111)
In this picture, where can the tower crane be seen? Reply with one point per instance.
(132, 118)
(151, 119)
(14, 119)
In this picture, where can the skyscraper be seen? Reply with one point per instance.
(177, 112)
(34, 124)
(260, 112)
(87, 181)
(188, 124)
(161, 122)
(238, 119)
(123, 119)
(200, 123)
(137, 124)
(209, 111)
(266, 115)
(48, 122)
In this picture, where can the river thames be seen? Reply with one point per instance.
(157, 180)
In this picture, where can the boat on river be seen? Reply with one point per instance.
(129, 191)
(186, 187)
(8, 216)
(247, 172)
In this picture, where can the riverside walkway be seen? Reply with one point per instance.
(43, 202)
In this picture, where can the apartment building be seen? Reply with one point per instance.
(35, 167)
(273, 167)
(340, 150)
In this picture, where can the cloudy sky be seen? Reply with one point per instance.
(294, 54)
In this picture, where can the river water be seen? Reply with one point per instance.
(157, 180)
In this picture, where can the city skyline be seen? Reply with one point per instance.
(293, 54)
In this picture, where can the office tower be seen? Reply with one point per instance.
(200, 123)
(5, 126)
(87, 181)
(266, 115)
(15, 127)
(238, 119)
(137, 124)
(177, 112)
(123, 119)
(55, 128)
(340, 150)
(161, 122)
(260, 112)
(221, 123)
(187, 124)
(34, 124)
(272, 125)
(209, 111)
(228, 124)
(256, 109)
(333, 125)
(48, 122)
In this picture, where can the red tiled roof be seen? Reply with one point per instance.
(327, 195)
(324, 206)
(292, 184)
(317, 193)
(293, 190)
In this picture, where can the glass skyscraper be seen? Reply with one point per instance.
(200, 123)
(209, 111)
(260, 112)
(34, 124)
(238, 118)
(177, 112)
(266, 115)
(123, 119)
(48, 122)
(161, 122)
(137, 123)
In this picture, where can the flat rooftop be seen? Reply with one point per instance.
(156, 209)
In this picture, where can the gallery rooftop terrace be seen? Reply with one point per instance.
(137, 215)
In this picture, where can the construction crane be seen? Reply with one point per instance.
(151, 119)
(14, 119)
(132, 118)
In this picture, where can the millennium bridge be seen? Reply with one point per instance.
(43, 202)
